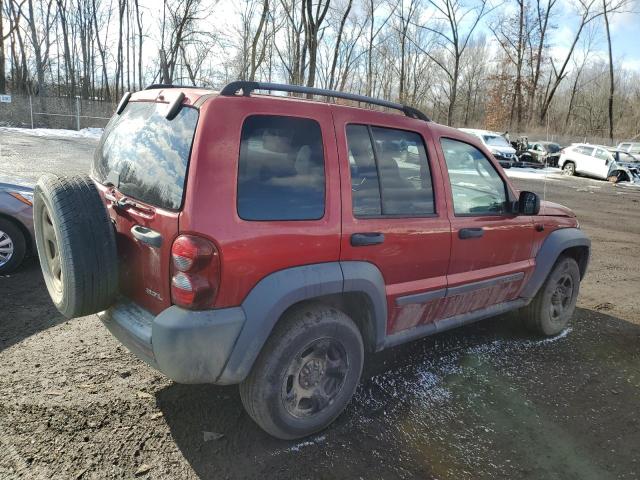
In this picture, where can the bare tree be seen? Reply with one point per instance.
(588, 11)
(313, 19)
(458, 22)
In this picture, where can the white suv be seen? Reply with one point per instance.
(585, 159)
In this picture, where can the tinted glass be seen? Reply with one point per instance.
(404, 172)
(281, 169)
(365, 188)
(147, 153)
(552, 147)
(477, 188)
(496, 141)
(601, 154)
(584, 150)
(391, 179)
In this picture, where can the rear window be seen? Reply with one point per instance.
(146, 154)
(281, 169)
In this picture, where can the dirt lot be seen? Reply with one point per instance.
(485, 401)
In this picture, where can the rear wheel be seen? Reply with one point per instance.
(76, 244)
(569, 168)
(306, 373)
(12, 246)
(552, 308)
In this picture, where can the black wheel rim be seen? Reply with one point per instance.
(315, 378)
(561, 298)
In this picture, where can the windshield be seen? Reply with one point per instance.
(625, 157)
(551, 147)
(146, 154)
(495, 141)
(635, 148)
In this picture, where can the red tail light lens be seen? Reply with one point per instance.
(195, 272)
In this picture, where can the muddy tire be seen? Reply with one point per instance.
(552, 308)
(13, 246)
(76, 244)
(306, 373)
(569, 168)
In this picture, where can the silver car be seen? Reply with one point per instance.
(16, 224)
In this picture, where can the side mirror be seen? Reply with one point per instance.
(528, 203)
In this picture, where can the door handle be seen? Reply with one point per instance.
(465, 233)
(147, 236)
(368, 238)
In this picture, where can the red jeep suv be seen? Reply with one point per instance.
(269, 241)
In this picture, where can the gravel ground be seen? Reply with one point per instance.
(484, 401)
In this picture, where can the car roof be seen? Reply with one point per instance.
(478, 131)
(197, 95)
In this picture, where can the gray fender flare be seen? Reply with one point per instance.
(275, 293)
(557, 242)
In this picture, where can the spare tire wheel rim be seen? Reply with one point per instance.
(315, 378)
(6, 248)
(51, 250)
(561, 298)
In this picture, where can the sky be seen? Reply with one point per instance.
(626, 38)
(625, 28)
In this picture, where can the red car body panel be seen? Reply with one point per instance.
(419, 254)
(428, 238)
(249, 251)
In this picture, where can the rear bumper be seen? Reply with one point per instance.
(187, 346)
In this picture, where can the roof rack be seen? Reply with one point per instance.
(247, 87)
(168, 85)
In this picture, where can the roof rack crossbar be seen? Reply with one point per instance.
(247, 87)
(155, 86)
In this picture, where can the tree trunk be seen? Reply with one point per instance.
(611, 78)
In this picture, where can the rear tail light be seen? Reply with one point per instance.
(195, 268)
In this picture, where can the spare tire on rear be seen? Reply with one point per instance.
(76, 244)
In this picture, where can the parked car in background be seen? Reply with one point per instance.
(598, 161)
(632, 148)
(499, 147)
(547, 153)
(624, 168)
(16, 224)
(309, 251)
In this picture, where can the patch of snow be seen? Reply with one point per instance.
(535, 173)
(628, 184)
(299, 446)
(91, 132)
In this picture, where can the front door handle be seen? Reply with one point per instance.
(466, 233)
(147, 236)
(368, 238)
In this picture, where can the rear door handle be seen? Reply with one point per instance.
(466, 233)
(368, 238)
(147, 236)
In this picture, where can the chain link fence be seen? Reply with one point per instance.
(55, 112)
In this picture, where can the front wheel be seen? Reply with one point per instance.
(552, 308)
(569, 168)
(306, 373)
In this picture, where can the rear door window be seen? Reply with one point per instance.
(389, 172)
(147, 155)
(281, 169)
(601, 154)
